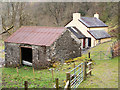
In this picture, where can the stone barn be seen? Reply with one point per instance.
(40, 45)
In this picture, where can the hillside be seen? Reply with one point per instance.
(55, 14)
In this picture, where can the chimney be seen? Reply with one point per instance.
(76, 16)
(96, 15)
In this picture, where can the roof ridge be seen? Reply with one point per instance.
(43, 26)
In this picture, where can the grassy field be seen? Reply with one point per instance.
(39, 79)
(104, 75)
(105, 72)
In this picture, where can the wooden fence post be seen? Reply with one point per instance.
(85, 67)
(33, 72)
(90, 67)
(112, 52)
(89, 55)
(57, 84)
(26, 85)
(68, 78)
(17, 71)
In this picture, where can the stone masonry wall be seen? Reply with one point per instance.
(12, 55)
(39, 57)
(64, 48)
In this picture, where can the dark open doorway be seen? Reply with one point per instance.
(26, 54)
(84, 43)
(89, 42)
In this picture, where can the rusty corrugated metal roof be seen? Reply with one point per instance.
(36, 35)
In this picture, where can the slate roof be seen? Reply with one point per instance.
(36, 35)
(76, 32)
(92, 22)
(99, 34)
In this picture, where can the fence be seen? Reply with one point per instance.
(77, 75)
(101, 55)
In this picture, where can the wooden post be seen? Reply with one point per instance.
(57, 84)
(89, 55)
(85, 67)
(68, 78)
(20, 57)
(26, 85)
(52, 75)
(90, 67)
(17, 71)
(112, 52)
(33, 72)
(80, 50)
(74, 64)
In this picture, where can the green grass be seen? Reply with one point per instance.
(104, 75)
(105, 72)
(42, 78)
(105, 49)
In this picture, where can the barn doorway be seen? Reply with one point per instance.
(26, 56)
(89, 42)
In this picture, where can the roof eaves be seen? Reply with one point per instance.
(96, 26)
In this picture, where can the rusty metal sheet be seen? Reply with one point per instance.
(36, 35)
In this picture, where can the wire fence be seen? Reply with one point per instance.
(101, 55)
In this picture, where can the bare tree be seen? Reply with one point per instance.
(56, 11)
(11, 11)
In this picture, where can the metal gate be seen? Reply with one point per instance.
(101, 55)
(76, 76)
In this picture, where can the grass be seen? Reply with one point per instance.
(42, 78)
(104, 74)
(101, 51)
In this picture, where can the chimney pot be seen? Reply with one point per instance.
(96, 15)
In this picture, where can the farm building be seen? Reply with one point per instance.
(93, 28)
(40, 45)
(79, 35)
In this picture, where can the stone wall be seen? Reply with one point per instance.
(64, 48)
(39, 57)
(12, 55)
(13, 58)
